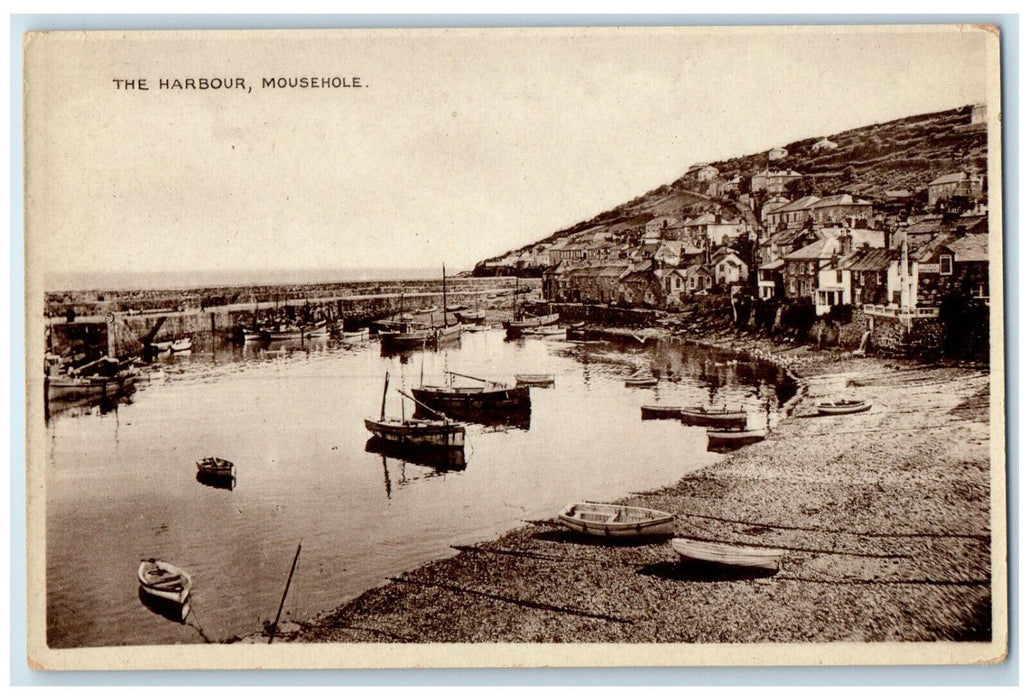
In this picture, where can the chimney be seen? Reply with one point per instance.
(846, 243)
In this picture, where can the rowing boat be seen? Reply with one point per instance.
(653, 412)
(640, 380)
(734, 438)
(713, 418)
(730, 555)
(163, 580)
(611, 520)
(534, 379)
(216, 466)
(843, 406)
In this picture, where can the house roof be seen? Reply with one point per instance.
(972, 247)
(896, 194)
(819, 250)
(778, 173)
(774, 265)
(949, 178)
(703, 219)
(696, 270)
(931, 224)
(838, 200)
(868, 260)
(797, 205)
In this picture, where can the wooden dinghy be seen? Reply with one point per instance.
(163, 580)
(216, 467)
(470, 401)
(843, 406)
(713, 417)
(641, 380)
(731, 439)
(654, 412)
(730, 555)
(520, 324)
(353, 336)
(534, 379)
(471, 317)
(611, 520)
(544, 332)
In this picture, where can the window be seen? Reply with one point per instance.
(839, 277)
(946, 265)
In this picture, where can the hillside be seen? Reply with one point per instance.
(905, 153)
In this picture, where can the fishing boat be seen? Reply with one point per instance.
(402, 333)
(182, 345)
(654, 412)
(731, 439)
(62, 387)
(641, 380)
(842, 407)
(544, 332)
(729, 555)
(319, 329)
(438, 433)
(468, 401)
(714, 417)
(448, 332)
(216, 466)
(250, 335)
(282, 331)
(528, 321)
(534, 379)
(163, 580)
(353, 336)
(610, 520)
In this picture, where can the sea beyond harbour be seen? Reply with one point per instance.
(187, 279)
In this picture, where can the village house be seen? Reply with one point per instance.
(840, 208)
(773, 181)
(729, 268)
(677, 253)
(823, 145)
(639, 286)
(664, 228)
(784, 242)
(955, 185)
(699, 278)
(791, 215)
(865, 271)
(675, 286)
(595, 284)
(777, 153)
(967, 271)
(710, 230)
(728, 188)
(802, 272)
(771, 204)
(705, 173)
(769, 279)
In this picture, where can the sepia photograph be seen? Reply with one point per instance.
(515, 347)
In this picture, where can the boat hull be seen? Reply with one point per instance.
(643, 382)
(842, 409)
(735, 556)
(609, 520)
(462, 402)
(418, 433)
(159, 579)
(731, 439)
(539, 380)
(728, 420)
(659, 412)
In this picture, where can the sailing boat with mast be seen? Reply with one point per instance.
(448, 332)
(520, 320)
(438, 433)
(402, 333)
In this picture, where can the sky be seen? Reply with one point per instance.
(458, 146)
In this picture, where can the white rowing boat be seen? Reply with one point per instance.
(730, 555)
(163, 580)
(611, 520)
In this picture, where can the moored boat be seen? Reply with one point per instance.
(440, 433)
(534, 379)
(319, 329)
(652, 412)
(729, 555)
(467, 401)
(282, 331)
(527, 322)
(544, 332)
(473, 317)
(163, 580)
(641, 380)
(182, 345)
(216, 466)
(732, 439)
(713, 417)
(250, 335)
(611, 520)
(353, 336)
(843, 406)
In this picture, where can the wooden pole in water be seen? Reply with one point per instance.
(275, 625)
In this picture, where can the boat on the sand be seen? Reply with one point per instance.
(729, 555)
(163, 580)
(842, 407)
(612, 520)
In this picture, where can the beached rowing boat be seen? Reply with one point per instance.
(843, 406)
(734, 438)
(611, 520)
(729, 555)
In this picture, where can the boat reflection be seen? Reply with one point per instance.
(519, 419)
(170, 610)
(216, 481)
(439, 459)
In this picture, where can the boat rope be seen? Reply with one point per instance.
(833, 531)
(196, 623)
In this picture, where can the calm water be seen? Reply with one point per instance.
(121, 484)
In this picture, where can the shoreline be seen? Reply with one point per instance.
(884, 516)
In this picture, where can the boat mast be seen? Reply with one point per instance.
(444, 295)
(385, 388)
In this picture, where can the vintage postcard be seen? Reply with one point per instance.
(395, 348)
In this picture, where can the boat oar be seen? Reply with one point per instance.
(275, 625)
(430, 410)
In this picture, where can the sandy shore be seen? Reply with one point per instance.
(885, 516)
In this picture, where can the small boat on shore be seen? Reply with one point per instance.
(654, 412)
(540, 380)
(611, 520)
(217, 467)
(729, 555)
(163, 580)
(731, 439)
(182, 345)
(714, 417)
(842, 407)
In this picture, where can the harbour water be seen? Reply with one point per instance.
(121, 484)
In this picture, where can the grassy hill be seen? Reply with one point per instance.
(905, 153)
